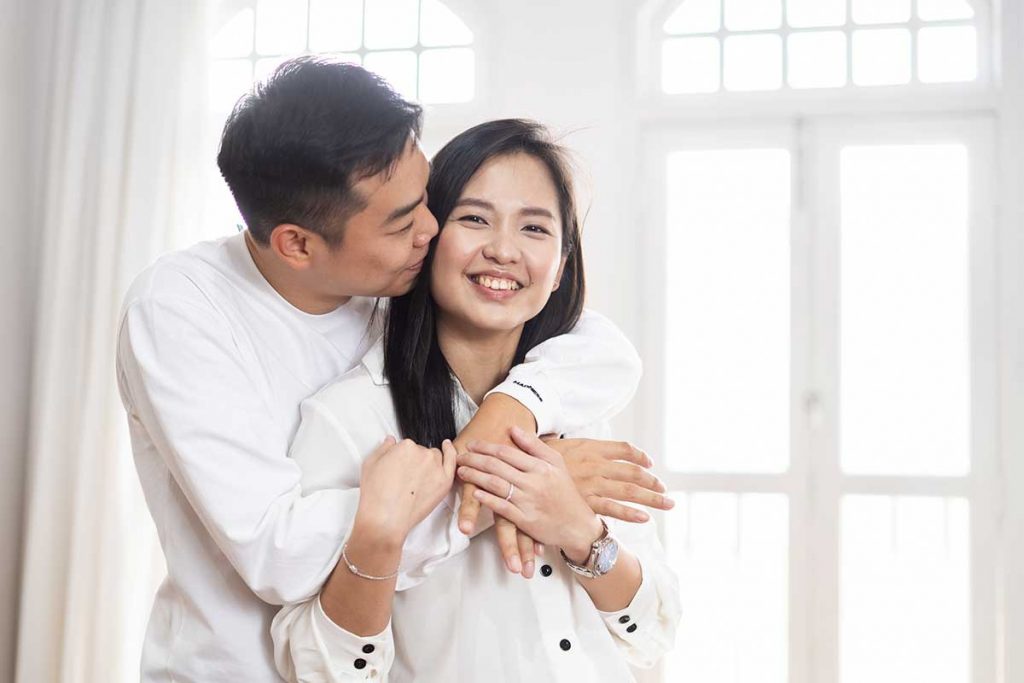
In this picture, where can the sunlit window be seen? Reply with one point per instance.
(759, 45)
(420, 46)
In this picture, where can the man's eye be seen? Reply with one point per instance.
(404, 229)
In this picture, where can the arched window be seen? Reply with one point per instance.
(708, 46)
(420, 46)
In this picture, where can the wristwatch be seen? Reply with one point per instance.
(603, 554)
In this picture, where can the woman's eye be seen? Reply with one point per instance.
(537, 229)
(473, 219)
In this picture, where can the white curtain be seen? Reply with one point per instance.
(119, 127)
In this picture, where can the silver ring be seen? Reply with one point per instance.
(511, 490)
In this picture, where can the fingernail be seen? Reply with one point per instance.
(479, 495)
(515, 564)
(528, 569)
(642, 516)
(465, 526)
(669, 503)
(471, 445)
(462, 471)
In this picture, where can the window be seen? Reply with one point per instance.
(827, 407)
(757, 45)
(420, 46)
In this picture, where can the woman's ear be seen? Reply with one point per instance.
(561, 271)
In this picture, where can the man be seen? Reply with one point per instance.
(220, 343)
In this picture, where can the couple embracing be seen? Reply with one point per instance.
(371, 427)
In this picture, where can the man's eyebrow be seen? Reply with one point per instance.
(527, 211)
(403, 210)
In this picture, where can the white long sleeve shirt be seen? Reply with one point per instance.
(458, 614)
(212, 364)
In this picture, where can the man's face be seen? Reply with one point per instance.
(384, 245)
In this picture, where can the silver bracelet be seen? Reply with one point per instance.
(355, 570)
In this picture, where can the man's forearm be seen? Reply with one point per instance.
(363, 606)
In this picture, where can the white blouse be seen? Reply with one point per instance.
(458, 613)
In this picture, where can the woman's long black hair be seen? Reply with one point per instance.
(421, 382)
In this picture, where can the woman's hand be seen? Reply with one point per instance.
(401, 483)
(544, 503)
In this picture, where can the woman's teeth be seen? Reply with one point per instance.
(495, 283)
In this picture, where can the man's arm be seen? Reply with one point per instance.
(187, 386)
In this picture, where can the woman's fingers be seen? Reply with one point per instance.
(507, 454)
(532, 445)
(499, 506)
(488, 482)
(508, 543)
(611, 508)
(492, 465)
(449, 456)
(526, 553)
(469, 509)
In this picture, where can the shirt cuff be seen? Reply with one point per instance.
(366, 657)
(628, 623)
(538, 398)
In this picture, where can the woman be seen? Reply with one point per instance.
(505, 273)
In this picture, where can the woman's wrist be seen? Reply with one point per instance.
(577, 547)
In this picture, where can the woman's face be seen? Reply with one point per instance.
(499, 255)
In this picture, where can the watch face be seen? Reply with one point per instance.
(606, 557)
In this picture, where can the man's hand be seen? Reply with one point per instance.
(608, 473)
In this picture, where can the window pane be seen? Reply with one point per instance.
(881, 11)
(335, 25)
(753, 62)
(398, 68)
(726, 398)
(817, 59)
(807, 13)
(904, 336)
(266, 66)
(690, 65)
(881, 57)
(947, 53)
(229, 80)
(937, 10)
(696, 16)
(752, 15)
(440, 26)
(446, 75)
(391, 23)
(904, 590)
(234, 39)
(280, 26)
(731, 553)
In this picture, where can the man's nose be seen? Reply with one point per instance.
(426, 228)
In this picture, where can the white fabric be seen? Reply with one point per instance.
(212, 366)
(465, 618)
(120, 88)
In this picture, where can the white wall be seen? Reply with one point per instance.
(16, 258)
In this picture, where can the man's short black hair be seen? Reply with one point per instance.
(292, 150)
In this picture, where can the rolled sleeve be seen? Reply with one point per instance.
(310, 648)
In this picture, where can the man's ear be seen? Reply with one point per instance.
(292, 244)
(561, 271)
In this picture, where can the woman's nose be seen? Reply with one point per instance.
(501, 248)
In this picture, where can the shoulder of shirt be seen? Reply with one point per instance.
(184, 276)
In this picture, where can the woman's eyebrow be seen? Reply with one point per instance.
(483, 204)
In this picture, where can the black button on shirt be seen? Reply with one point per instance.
(359, 663)
(624, 619)
(632, 627)
(368, 648)
(565, 644)
(545, 569)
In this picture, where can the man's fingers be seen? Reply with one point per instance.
(611, 508)
(468, 509)
(631, 493)
(634, 474)
(623, 450)
(526, 553)
(508, 542)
